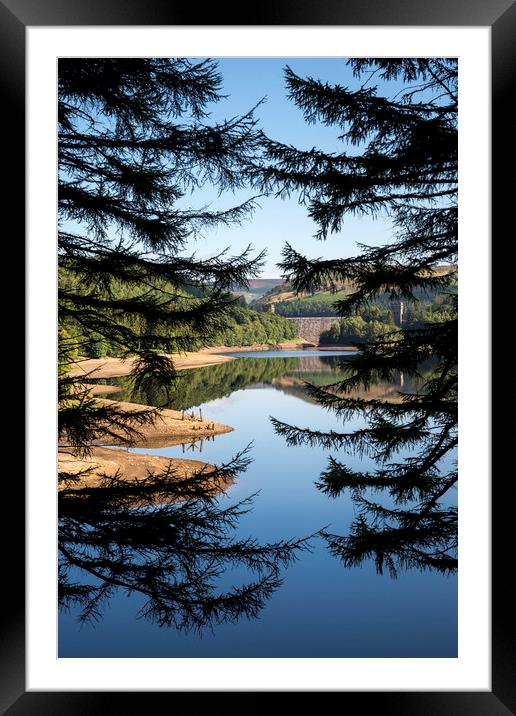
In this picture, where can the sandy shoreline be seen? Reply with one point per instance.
(103, 462)
(298, 344)
(97, 368)
(135, 466)
(171, 427)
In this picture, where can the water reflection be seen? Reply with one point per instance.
(418, 534)
(412, 439)
(289, 375)
(189, 561)
(169, 540)
(411, 529)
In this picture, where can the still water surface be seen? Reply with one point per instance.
(322, 609)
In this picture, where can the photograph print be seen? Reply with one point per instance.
(257, 360)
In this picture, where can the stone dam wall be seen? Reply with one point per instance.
(311, 328)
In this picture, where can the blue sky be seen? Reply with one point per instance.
(247, 81)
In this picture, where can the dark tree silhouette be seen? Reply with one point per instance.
(401, 160)
(168, 539)
(134, 141)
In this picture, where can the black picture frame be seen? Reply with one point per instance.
(15, 16)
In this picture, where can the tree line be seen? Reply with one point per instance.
(238, 326)
(376, 323)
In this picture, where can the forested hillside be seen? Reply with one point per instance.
(325, 302)
(238, 326)
(372, 323)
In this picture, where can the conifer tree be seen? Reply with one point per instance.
(134, 141)
(400, 158)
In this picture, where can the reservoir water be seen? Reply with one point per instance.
(321, 608)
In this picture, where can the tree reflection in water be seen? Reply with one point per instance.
(169, 540)
(407, 437)
(411, 528)
(287, 374)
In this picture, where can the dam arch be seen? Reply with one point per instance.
(311, 327)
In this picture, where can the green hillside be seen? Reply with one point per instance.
(289, 304)
(235, 325)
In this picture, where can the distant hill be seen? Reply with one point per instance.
(269, 282)
(259, 284)
(257, 288)
(288, 303)
(283, 292)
